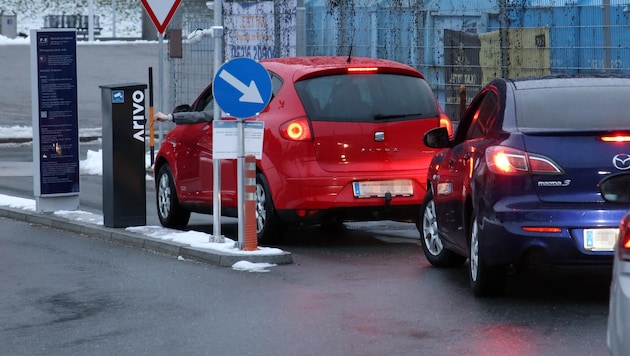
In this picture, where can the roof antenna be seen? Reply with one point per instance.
(349, 59)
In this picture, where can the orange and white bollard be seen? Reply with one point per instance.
(250, 238)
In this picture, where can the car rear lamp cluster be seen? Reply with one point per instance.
(623, 249)
(507, 160)
(296, 130)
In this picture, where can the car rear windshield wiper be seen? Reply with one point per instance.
(394, 116)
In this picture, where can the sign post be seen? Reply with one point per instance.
(242, 88)
(160, 12)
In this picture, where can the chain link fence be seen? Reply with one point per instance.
(453, 43)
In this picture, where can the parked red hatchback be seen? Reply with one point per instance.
(342, 142)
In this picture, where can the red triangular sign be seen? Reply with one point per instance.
(161, 12)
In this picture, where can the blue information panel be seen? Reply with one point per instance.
(58, 112)
(242, 87)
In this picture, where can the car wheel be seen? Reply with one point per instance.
(485, 281)
(171, 214)
(432, 244)
(268, 227)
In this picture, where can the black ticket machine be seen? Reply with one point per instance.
(124, 166)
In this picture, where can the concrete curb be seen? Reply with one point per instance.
(213, 257)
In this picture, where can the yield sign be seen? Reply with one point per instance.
(161, 12)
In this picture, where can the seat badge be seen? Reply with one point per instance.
(444, 188)
(379, 136)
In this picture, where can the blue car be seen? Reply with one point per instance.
(517, 185)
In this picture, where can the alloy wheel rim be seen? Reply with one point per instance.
(430, 230)
(474, 251)
(164, 196)
(261, 212)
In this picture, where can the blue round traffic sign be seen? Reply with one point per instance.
(242, 87)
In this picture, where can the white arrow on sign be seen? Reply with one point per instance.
(250, 93)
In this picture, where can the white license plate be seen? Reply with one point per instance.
(600, 239)
(370, 189)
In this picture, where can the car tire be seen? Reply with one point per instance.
(269, 229)
(485, 281)
(170, 212)
(432, 244)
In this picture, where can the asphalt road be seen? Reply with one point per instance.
(350, 294)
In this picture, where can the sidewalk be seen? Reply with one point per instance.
(210, 253)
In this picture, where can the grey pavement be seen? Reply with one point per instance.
(121, 235)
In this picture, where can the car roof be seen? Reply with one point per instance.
(300, 68)
(559, 81)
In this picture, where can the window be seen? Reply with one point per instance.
(483, 116)
(367, 98)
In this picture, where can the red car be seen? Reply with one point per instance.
(342, 142)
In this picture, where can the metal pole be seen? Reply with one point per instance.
(216, 164)
(160, 82)
(114, 18)
(91, 20)
(240, 174)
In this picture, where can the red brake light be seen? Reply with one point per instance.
(619, 138)
(362, 70)
(296, 130)
(507, 160)
(542, 229)
(623, 247)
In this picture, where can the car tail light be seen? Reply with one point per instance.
(362, 70)
(507, 160)
(542, 229)
(296, 130)
(618, 138)
(623, 247)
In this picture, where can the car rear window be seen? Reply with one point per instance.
(590, 108)
(366, 97)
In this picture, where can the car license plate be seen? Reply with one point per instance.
(600, 239)
(378, 188)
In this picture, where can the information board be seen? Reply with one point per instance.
(55, 112)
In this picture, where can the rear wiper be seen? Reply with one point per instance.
(394, 116)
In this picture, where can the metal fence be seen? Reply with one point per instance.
(452, 42)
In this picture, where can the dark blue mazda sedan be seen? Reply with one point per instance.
(518, 183)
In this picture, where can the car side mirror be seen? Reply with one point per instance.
(182, 108)
(616, 188)
(436, 138)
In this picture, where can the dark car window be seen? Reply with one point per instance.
(366, 97)
(483, 116)
(573, 108)
(276, 84)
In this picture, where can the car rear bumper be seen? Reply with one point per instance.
(403, 213)
(330, 192)
(504, 240)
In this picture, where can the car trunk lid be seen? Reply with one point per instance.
(585, 158)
